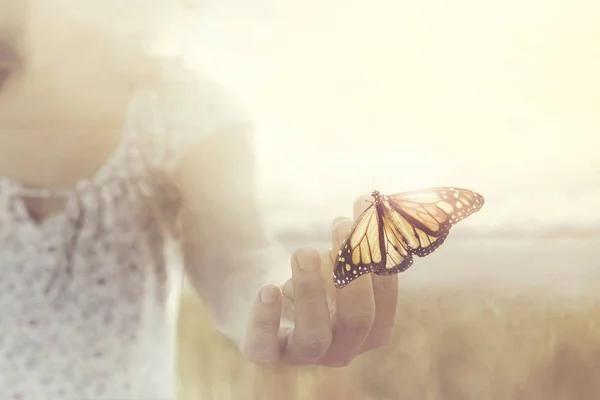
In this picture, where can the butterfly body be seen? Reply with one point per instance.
(393, 228)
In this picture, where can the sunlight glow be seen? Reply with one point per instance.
(397, 95)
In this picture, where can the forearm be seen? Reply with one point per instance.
(228, 281)
(228, 252)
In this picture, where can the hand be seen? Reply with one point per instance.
(309, 322)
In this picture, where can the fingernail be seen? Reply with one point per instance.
(269, 294)
(306, 260)
(338, 220)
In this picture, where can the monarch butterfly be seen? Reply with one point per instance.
(393, 228)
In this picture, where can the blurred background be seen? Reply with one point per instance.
(351, 96)
(394, 95)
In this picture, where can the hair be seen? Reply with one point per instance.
(139, 32)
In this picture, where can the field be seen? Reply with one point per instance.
(463, 333)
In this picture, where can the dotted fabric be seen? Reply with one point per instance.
(88, 296)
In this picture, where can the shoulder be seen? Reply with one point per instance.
(190, 102)
(205, 127)
(195, 115)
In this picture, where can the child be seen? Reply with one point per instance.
(116, 167)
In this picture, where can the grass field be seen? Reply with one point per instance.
(466, 340)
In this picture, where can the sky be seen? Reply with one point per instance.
(350, 96)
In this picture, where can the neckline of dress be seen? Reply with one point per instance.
(16, 187)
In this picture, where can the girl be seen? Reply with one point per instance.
(116, 166)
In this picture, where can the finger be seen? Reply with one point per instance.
(339, 232)
(341, 225)
(361, 204)
(385, 294)
(262, 338)
(338, 219)
(330, 291)
(327, 261)
(355, 312)
(327, 273)
(288, 289)
(311, 336)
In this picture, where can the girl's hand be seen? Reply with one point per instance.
(308, 322)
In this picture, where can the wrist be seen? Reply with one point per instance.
(269, 265)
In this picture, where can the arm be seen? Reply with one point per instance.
(227, 253)
(229, 257)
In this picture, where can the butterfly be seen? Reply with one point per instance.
(393, 228)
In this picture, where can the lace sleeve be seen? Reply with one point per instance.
(193, 110)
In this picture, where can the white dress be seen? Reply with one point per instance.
(88, 297)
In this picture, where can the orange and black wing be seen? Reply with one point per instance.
(363, 251)
(387, 235)
(424, 217)
(397, 249)
(435, 211)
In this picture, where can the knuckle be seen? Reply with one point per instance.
(357, 323)
(260, 357)
(313, 346)
(264, 323)
(308, 289)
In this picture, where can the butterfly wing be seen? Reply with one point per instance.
(397, 250)
(363, 251)
(389, 233)
(435, 211)
(419, 222)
